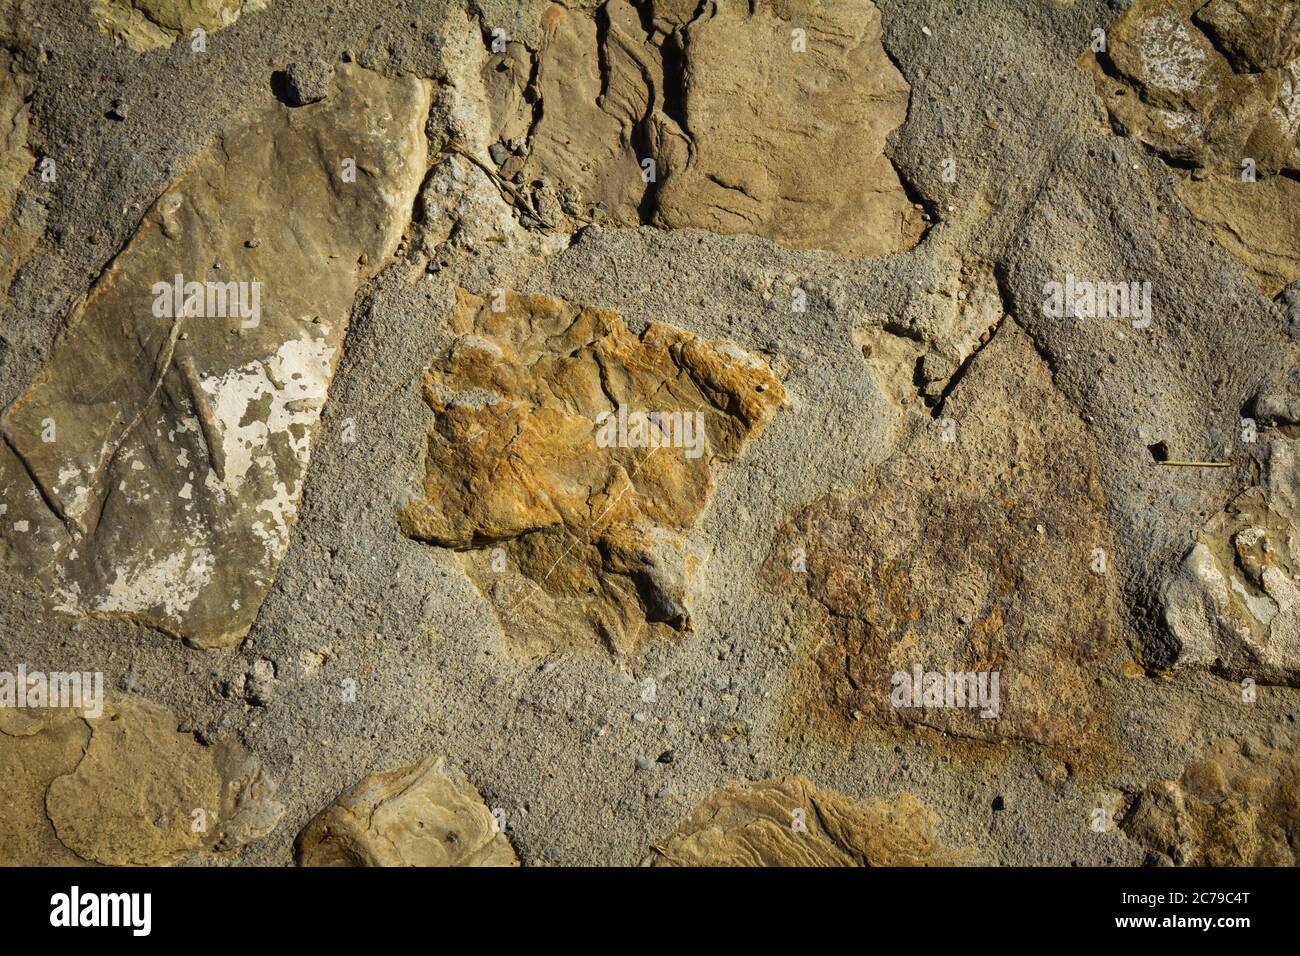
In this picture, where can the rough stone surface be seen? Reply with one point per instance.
(790, 822)
(1212, 87)
(372, 649)
(307, 81)
(154, 469)
(20, 222)
(998, 489)
(145, 25)
(1234, 604)
(915, 355)
(580, 528)
(1238, 805)
(421, 815)
(125, 789)
(794, 151)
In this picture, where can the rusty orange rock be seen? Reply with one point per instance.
(570, 456)
(970, 557)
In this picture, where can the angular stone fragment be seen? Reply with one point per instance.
(307, 81)
(1215, 89)
(763, 118)
(971, 552)
(544, 458)
(1239, 805)
(790, 822)
(145, 25)
(154, 468)
(124, 789)
(424, 814)
(1234, 603)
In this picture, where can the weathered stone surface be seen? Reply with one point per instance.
(940, 563)
(20, 222)
(307, 81)
(1258, 222)
(1253, 34)
(915, 355)
(145, 25)
(1234, 603)
(785, 144)
(1211, 87)
(586, 136)
(124, 789)
(154, 468)
(1239, 805)
(790, 822)
(424, 814)
(579, 541)
(35, 749)
(747, 134)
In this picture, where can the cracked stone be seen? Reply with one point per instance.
(164, 492)
(716, 121)
(916, 354)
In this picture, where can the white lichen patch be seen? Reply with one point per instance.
(171, 584)
(1171, 58)
(1287, 110)
(1182, 123)
(285, 393)
(281, 509)
(66, 598)
(75, 494)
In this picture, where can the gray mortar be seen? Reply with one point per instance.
(556, 744)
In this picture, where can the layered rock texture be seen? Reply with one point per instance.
(124, 788)
(424, 814)
(573, 456)
(154, 468)
(790, 822)
(1214, 88)
(21, 217)
(735, 117)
